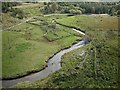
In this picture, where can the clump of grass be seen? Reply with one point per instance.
(22, 47)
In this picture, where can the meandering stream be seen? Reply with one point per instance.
(54, 64)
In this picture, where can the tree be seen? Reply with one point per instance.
(54, 7)
(73, 11)
(93, 10)
(18, 13)
(118, 12)
(112, 12)
(50, 8)
(45, 3)
(7, 6)
(78, 12)
(46, 9)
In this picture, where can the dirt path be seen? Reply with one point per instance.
(55, 14)
(26, 5)
(19, 23)
(30, 19)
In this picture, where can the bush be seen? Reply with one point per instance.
(118, 12)
(18, 13)
(73, 11)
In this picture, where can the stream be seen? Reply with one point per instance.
(54, 64)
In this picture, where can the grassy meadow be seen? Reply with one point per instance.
(28, 43)
(26, 48)
(94, 65)
(30, 10)
(92, 22)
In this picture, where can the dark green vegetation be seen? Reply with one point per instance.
(62, 7)
(82, 8)
(19, 14)
(21, 10)
(7, 6)
(92, 66)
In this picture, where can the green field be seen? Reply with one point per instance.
(94, 65)
(92, 22)
(9, 21)
(28, 43)
(32, 10)
(53, 31)
(25, 48)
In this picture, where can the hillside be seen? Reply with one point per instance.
(94, 65)
(60, 44)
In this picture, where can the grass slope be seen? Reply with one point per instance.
(25, 49)
(92, 66)
(29, 9)
(91, 22)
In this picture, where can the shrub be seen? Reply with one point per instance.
(17, 13)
